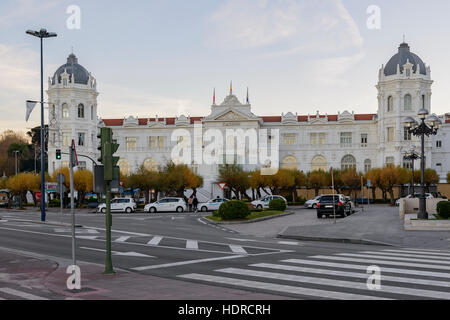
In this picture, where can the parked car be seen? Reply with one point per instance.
(312, 203)
(330, 204)
(119, 205)
(166, 205)
(264, 202)
(212, 205)
(416, 195)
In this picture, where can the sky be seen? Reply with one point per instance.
(165, 57)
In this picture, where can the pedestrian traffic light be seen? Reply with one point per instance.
(58, 154)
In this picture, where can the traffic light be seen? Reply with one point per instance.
(110, 161)
(103, 135)
(58, 154)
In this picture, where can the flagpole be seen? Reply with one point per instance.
(332, 186)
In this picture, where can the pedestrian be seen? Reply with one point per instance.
(190, 201)
(195, 204)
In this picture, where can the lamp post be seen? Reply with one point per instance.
(426, 126)
(412, 155)
(42, 34)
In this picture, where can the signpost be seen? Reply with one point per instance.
(332, 187)
(60, 178)
(222, 185)
(73, 163)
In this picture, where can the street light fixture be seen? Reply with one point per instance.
(42, 34)
(412, 155)
(427, 126)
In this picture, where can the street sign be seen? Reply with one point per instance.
(60, 178)
(51, 187)
(222, 185)
(369, 183)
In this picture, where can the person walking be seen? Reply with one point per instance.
(190, 201)
(195, 204)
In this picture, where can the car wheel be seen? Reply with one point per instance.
(204, 209)
(314, 206)
(152, 210)
(103, 210)
(259, 207)
(319, 216)
(180, 209)
(128, 210)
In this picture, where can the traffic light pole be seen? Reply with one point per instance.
(108, 263)
(72, 204)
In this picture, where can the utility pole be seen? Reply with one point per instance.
(73, 163)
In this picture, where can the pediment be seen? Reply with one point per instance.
(231, 116)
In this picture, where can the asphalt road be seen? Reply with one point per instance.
(185, 247)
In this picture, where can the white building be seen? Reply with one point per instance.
(308, 142)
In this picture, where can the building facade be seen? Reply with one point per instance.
(306, 141)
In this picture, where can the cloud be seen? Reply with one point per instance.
(24, 9)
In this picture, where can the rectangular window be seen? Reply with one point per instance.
(406, 134)
(346, 139)
(152, 142)
(390, 134)
(131, 143)
(81, 165)
(438, 144)
(389, 161)
(289, 138)
(81, 139)
(66, 139)
(321, 138)
(313, 138)
(160, 142)
(65, 164)
(364, 140)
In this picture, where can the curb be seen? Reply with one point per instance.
(250, 221)
(337, 240)
(58, 224)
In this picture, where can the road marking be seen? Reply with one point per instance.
(406, 255)
(290, 243)
(155, 241)
(358, 255)
(192, 244)
(362, 267)
(122, 239)
(182, 263)
(350, 274)
(392, 263)
(279, 288)
(419, 252)
(87, 237)
(336, 283)
(21, 294)
(237, 249)
(117, 253)
(243, 240)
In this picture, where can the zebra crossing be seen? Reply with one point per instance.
(405, 274)
(8, 293)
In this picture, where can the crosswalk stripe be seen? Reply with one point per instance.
(427, 250)
(418, 252)
(358, 255)
(376, 261)
(192, 244)
(350, 274)
(122, 239)
(362, 267)
(154, 241)
(21, 294)
(237, 249)
(279, 288)
(337, 283)
(406, 255)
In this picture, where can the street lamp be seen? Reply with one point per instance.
(43, 33)
(15, 156)
(412, 155)
(426, 126)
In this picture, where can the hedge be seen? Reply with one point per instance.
(233, 210)
(277, 204)
(443, 209)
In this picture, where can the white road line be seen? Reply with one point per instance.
(387, 262)
(337, 283)
(418, 252)
(290, 243)
(406, 255)
(87, 237)
(155, 241)
(182, 263)
(21, 294)
(362, 267)
(358, 255)
(242, 240)
(237, 249)
(122, 239)
(279, 288)
(428, 250)
(192, 244)
(351, 274)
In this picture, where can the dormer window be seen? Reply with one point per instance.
(408, 73)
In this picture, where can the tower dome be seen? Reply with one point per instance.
(401, 58)
(72, 68)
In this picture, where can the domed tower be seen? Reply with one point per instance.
(72, 97)
(404, 87)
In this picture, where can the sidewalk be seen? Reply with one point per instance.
(378, 224)
(48, 276)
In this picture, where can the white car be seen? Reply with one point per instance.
(264, 202)
(119, 205)
(417, 195)
(211, 205)
(312, 204)
(167, 205)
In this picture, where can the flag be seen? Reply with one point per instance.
(248, 100)
(231, 87)
(30, 107)
(214, 96)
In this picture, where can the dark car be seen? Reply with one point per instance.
(327, 206)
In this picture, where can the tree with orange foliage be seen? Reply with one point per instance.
(83, 182)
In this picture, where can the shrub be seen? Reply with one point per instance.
(233, 210)
(443, 209)
(54, 203)
(277, 204)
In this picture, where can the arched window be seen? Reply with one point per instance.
(124, 166)
(81, 111)
(290, 163)
(319, 163)
(151, 164)
(390, 106)
(423, 101)
(408, 102)
(65, 111)
(367, 165)
(348, 162)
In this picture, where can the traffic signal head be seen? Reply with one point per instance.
(104, 137)
(58, 154)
